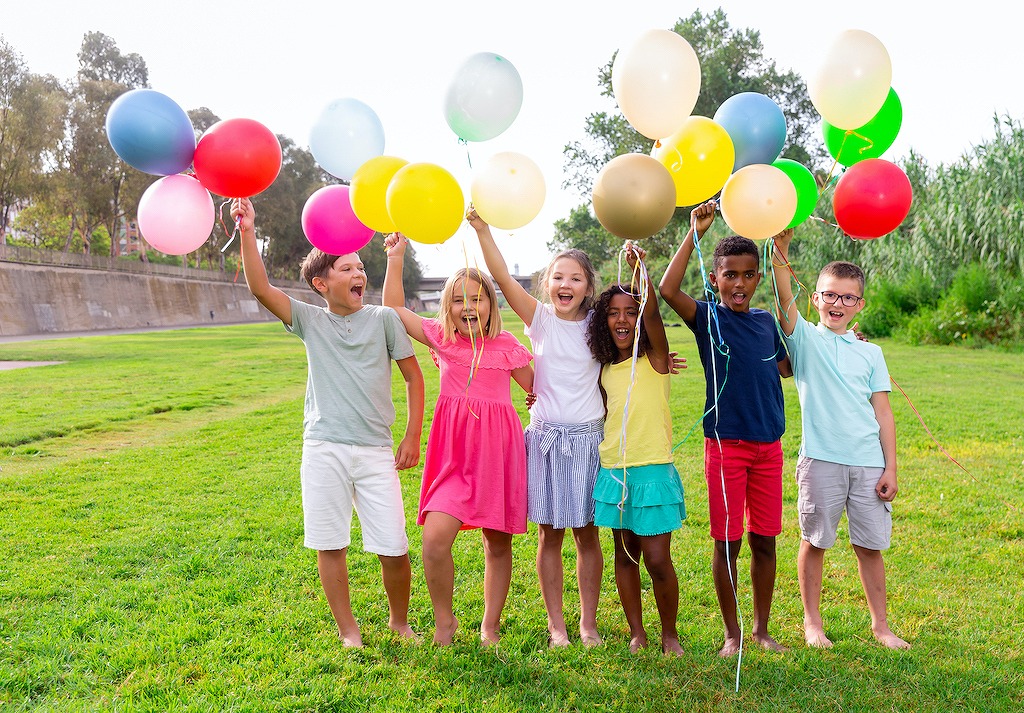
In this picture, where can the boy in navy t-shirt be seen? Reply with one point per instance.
(744, 419)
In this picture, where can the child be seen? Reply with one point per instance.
(744, 419)
(638, 492)
(475, 469)
(566, 427)
(848, 450)
(346, 447)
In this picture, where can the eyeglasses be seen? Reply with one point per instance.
(831, 298)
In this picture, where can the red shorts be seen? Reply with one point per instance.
(750, 474)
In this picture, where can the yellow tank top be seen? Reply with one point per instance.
(648, 437)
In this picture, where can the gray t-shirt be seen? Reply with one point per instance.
(348, 391)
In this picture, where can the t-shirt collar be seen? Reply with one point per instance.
(847, 336)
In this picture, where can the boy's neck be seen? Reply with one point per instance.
(343, 311)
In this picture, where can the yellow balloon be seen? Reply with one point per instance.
(368, 190)
(634, 196)
(508, 190)
(700, 157)
(425, 203)
(758, 201)
(853, 82)
(656, 81)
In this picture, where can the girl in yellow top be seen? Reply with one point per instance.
(638, 492)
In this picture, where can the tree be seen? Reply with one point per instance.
(32, 109)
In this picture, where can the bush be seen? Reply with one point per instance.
(889, 304)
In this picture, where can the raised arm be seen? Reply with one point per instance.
(255, 272)
(658, 353)
(394, 291)
(685, 306)
(522, 302)
(408, 453)
(785, 307)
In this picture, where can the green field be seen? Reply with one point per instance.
(150, 530)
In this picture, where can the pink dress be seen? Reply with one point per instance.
(475, 468)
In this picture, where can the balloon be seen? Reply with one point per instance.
(656, 81)
(699, 157)
(508, 191)
(368, 192)
(756, 126)
(330, 224)
(868, 141)
(806, 188)
(346, 135)
(237, 158)
(176, 215)
(852, 83)
(425, 202)
(484, 97)
(634, 196)
(758, 201)
(151, 133)
(872, 198)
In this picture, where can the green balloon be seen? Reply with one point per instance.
(868, 141)
(805, 185)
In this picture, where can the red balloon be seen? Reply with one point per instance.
(237, 158)
(872, 198)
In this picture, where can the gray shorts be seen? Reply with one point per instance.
(826, 489)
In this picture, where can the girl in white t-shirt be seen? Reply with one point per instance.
(566, 426)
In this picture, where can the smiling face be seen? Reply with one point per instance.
(623, 312)
(343, 285)
(736, 277)
(567, 287)
(471, 308)
(837, 316)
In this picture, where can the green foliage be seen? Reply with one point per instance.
(889, 303)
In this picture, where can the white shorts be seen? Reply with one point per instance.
(336, 477)
(826, 489)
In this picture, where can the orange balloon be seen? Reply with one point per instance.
(634, 196)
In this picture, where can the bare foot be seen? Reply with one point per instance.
(490, 638)
(888, 639)
(769, 643)
(590, 638)
(637, 642)
(351, 641)
(404, 631)
(557, 639)
(731, 647)
(670, 646)
(815, 637)
(443, 634)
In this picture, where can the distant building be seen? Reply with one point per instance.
(129, 239)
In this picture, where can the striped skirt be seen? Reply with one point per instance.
(562, 465)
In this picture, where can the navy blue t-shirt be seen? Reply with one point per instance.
(750, 405)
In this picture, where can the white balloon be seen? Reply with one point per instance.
(346, 135)
(853, 81)
(508, 191)
(484, 97)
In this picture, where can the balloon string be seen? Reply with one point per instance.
(478, 352)
(469, 160)
(237, 227)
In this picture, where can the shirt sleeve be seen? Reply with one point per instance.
(879, 380)
(399, 344)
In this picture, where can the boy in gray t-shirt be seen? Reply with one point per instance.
(347, 458)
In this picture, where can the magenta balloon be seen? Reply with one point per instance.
(330, 223)
(176, 215)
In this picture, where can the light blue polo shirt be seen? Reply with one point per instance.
(835, 375)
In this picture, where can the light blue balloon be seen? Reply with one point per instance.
(756, 126)
(347, 134)
(150, 132)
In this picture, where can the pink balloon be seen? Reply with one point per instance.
(176, 214)
(330, 223)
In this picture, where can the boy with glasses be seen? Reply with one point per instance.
(848, 449)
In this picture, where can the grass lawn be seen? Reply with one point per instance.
(152, 559)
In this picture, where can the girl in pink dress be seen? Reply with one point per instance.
(474, 475)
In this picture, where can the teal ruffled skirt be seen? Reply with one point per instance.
(646, 500)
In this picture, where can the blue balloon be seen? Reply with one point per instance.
(345, 136)
(756, 126)
(150, 132)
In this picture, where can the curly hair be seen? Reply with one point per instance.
(734, 245)
(599, 337)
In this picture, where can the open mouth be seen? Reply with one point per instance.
(739, 298)
(565, 300)
(357, 290)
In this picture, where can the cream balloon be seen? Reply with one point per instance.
(853, 82)
(634, 196)
(508, 191)
(656, 81)
(758, 201)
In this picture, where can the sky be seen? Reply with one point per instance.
(282, 63)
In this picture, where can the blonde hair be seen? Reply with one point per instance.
(444, 312)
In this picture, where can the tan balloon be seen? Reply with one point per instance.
(634, 196)
(758, 201)
(853, 81)
(656, 81)
(508, 191)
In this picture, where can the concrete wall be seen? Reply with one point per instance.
(38, 299)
